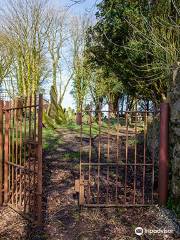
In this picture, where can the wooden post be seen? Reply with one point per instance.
(1, 152)
(6, 153)
(39, 157)
(163, 154)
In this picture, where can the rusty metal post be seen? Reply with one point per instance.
(163, 153)
(6, 153)
(79, 118)
(1, 152)
(39, 157)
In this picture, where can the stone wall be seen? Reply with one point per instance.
(174, 98)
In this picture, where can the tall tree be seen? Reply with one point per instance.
(138, 42)
(82, 72)
(23, 24)
(57, 39)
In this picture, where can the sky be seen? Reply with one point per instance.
(85, 7)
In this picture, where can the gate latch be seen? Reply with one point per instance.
(79, 188)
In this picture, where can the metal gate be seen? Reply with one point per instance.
(117, 159)
(21, 155)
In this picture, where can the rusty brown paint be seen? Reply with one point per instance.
(79, 118)
(39, 158)
(144, 167)
(90, 153)
(126, 165)
(22, 162)
(80, 160)
(135, 158)
(16, 155)
(109, 187)
(13, 150)
(25, 158)
(81, 191)
(20, 158)
(99, 151)
(36, 153)
(117, 156)
(6, 152)
(153, 156)
(1, 152)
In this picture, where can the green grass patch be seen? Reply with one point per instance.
(71, 155)
(86, 128)
(51, 139)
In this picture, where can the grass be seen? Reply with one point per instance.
(73, 155)
(86, 128)
(51, 139)
(76, 128)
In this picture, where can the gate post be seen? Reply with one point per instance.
(163, 153)
(79, 118)
(39, 157)
(6, 152)
(1, 152)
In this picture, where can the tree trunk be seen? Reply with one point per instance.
(98, 107)
(122, 104)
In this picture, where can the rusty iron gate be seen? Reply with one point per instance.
(118, 162)
(21, 155)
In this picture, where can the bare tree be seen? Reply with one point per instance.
(5, 57)
(81, 71)
(57, 40)
(23, 24)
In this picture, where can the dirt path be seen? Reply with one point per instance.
(62, 218)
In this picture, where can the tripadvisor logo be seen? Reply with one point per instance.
(139, 231)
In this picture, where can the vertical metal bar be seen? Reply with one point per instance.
(25, 157)
(29, 154)
(10, 158)
(34, 158)
(35, 117)
(108, 156)
(80, 150)
(117, 154)
(30, 109)
(153, 156)
(1, 152)
(90, 151)
(107, 187)
(125, 190)
(81, 190)
(163, 154)
(79, 118)
(108, 135)
(39, 150)
(20, 155)
(99, 152)
(135, 158)
(13, 148)
(16, 158)
(145, 141)
(6, 152)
